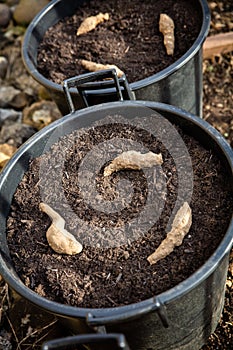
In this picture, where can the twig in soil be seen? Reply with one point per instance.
(14, 333)
(180, 227)
(37, 341)
(3, 298)
(59, 239)
(133, 160)
(91, 23)
(111, 301)
(166, 27)
(36, 331)
(95, 67)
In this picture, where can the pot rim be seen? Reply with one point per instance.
(49, 84)
(170, 295)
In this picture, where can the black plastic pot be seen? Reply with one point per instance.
(180, 318)
(180, 84)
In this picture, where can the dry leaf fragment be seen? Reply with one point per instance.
(133, 160)
(91, 23)
(59, 239)
(166, 27)
(94, 67)
(6, 152)
(180, 227)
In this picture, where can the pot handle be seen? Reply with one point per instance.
(133, 313)
(80, 82)
(115, 341)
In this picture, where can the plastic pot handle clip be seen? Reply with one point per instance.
(115, 341)
(80, 82)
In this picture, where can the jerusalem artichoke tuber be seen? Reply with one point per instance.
(166, 27)
(59, 239)
(91, 23)
(94, 67)
(180, 227)
(133, 160)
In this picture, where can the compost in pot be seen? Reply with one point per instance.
(127, 37)
(130, 38)
(103, 275)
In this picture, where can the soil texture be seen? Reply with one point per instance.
(103, 275)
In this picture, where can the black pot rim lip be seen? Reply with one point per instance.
(49, 84)
(164, 298)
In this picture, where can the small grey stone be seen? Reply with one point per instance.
(5, 15)
(27, 84)
(26, 10)
(9, 115)
(7, 94)
(11, 97)
(16, 133)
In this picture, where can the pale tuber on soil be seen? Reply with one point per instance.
(94, 67)
(166, 27)
(91, 23)
(133, 160)
(180, 227)
(59, 239)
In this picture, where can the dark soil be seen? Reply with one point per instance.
(130, 39)
(107, 277)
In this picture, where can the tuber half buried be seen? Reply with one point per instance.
(180, 227)
(133, 160)
(91, 23)
(166, 27)
(94, 67)
(59, 239)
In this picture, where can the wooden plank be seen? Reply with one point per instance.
(218, 44)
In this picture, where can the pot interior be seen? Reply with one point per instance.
(44, 140)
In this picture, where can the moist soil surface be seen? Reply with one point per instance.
(103, 275)
(130, 39)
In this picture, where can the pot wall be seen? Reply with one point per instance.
(192, 318)
(179, 84)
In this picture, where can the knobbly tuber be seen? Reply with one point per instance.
(133, 160)
(94, 67)
(59, 239)
(166, 27)
(91, 23)
(180, 227)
